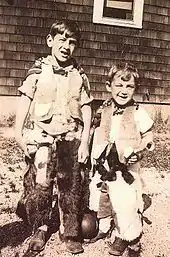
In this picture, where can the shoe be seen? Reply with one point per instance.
(135, 249)
(118, 246)
(133, 253)
(38, 241)
(99, 236)
(74, 247)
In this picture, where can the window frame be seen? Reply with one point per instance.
(135, 23)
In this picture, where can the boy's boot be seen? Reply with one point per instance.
(133, 253)
(38, 240)
(100, 235)
(118, 246)
(135, 249)
(73, 246)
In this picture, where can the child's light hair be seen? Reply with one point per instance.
(126, 70)
(59, 26)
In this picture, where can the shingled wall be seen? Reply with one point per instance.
(24, 26)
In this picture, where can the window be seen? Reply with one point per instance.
(126, 13)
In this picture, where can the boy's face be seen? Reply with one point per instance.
(122, 90)
(62, 46)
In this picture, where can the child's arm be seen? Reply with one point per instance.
(85, 100)
(147, 144)
(27, 91)
(83, 151)
(144, 124)
(21, 114)
(147, 141)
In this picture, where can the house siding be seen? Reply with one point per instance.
(25, 24)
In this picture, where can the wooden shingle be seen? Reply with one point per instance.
(25, 25)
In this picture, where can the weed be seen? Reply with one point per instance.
(8, 121)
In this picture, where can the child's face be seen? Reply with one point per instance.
(62, 46)
(122, 90)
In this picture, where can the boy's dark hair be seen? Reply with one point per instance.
(59, 26)
(127, 69)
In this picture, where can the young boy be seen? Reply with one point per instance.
(56, 97)
(124, 132)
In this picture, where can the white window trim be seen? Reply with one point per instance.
(137, 15)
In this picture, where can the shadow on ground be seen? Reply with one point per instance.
(13, 234)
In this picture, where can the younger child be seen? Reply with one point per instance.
(123, 134)
(56, 96)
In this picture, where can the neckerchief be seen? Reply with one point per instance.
(60, 71)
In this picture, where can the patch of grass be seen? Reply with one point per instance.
(10, 151)
(160, 126)
(8, 121)
(160, 156)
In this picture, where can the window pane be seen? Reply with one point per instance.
(120, 9)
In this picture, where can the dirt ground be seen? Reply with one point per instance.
(14, 236)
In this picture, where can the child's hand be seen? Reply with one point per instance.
(83, 153)
(23, 145)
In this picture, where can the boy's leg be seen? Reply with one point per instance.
(126, 203)
(105, 212)
(95, 192)
(99, 202)
(37, 198)
(104, 229)
(44, 169)
(69, 182)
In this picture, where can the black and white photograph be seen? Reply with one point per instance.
(84, 128)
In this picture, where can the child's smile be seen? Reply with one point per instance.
(122, 90)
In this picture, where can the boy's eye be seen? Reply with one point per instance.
(73, 42)
(118, 85)
(130, 86)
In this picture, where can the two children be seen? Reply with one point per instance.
(56, 97)
(123, 134)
